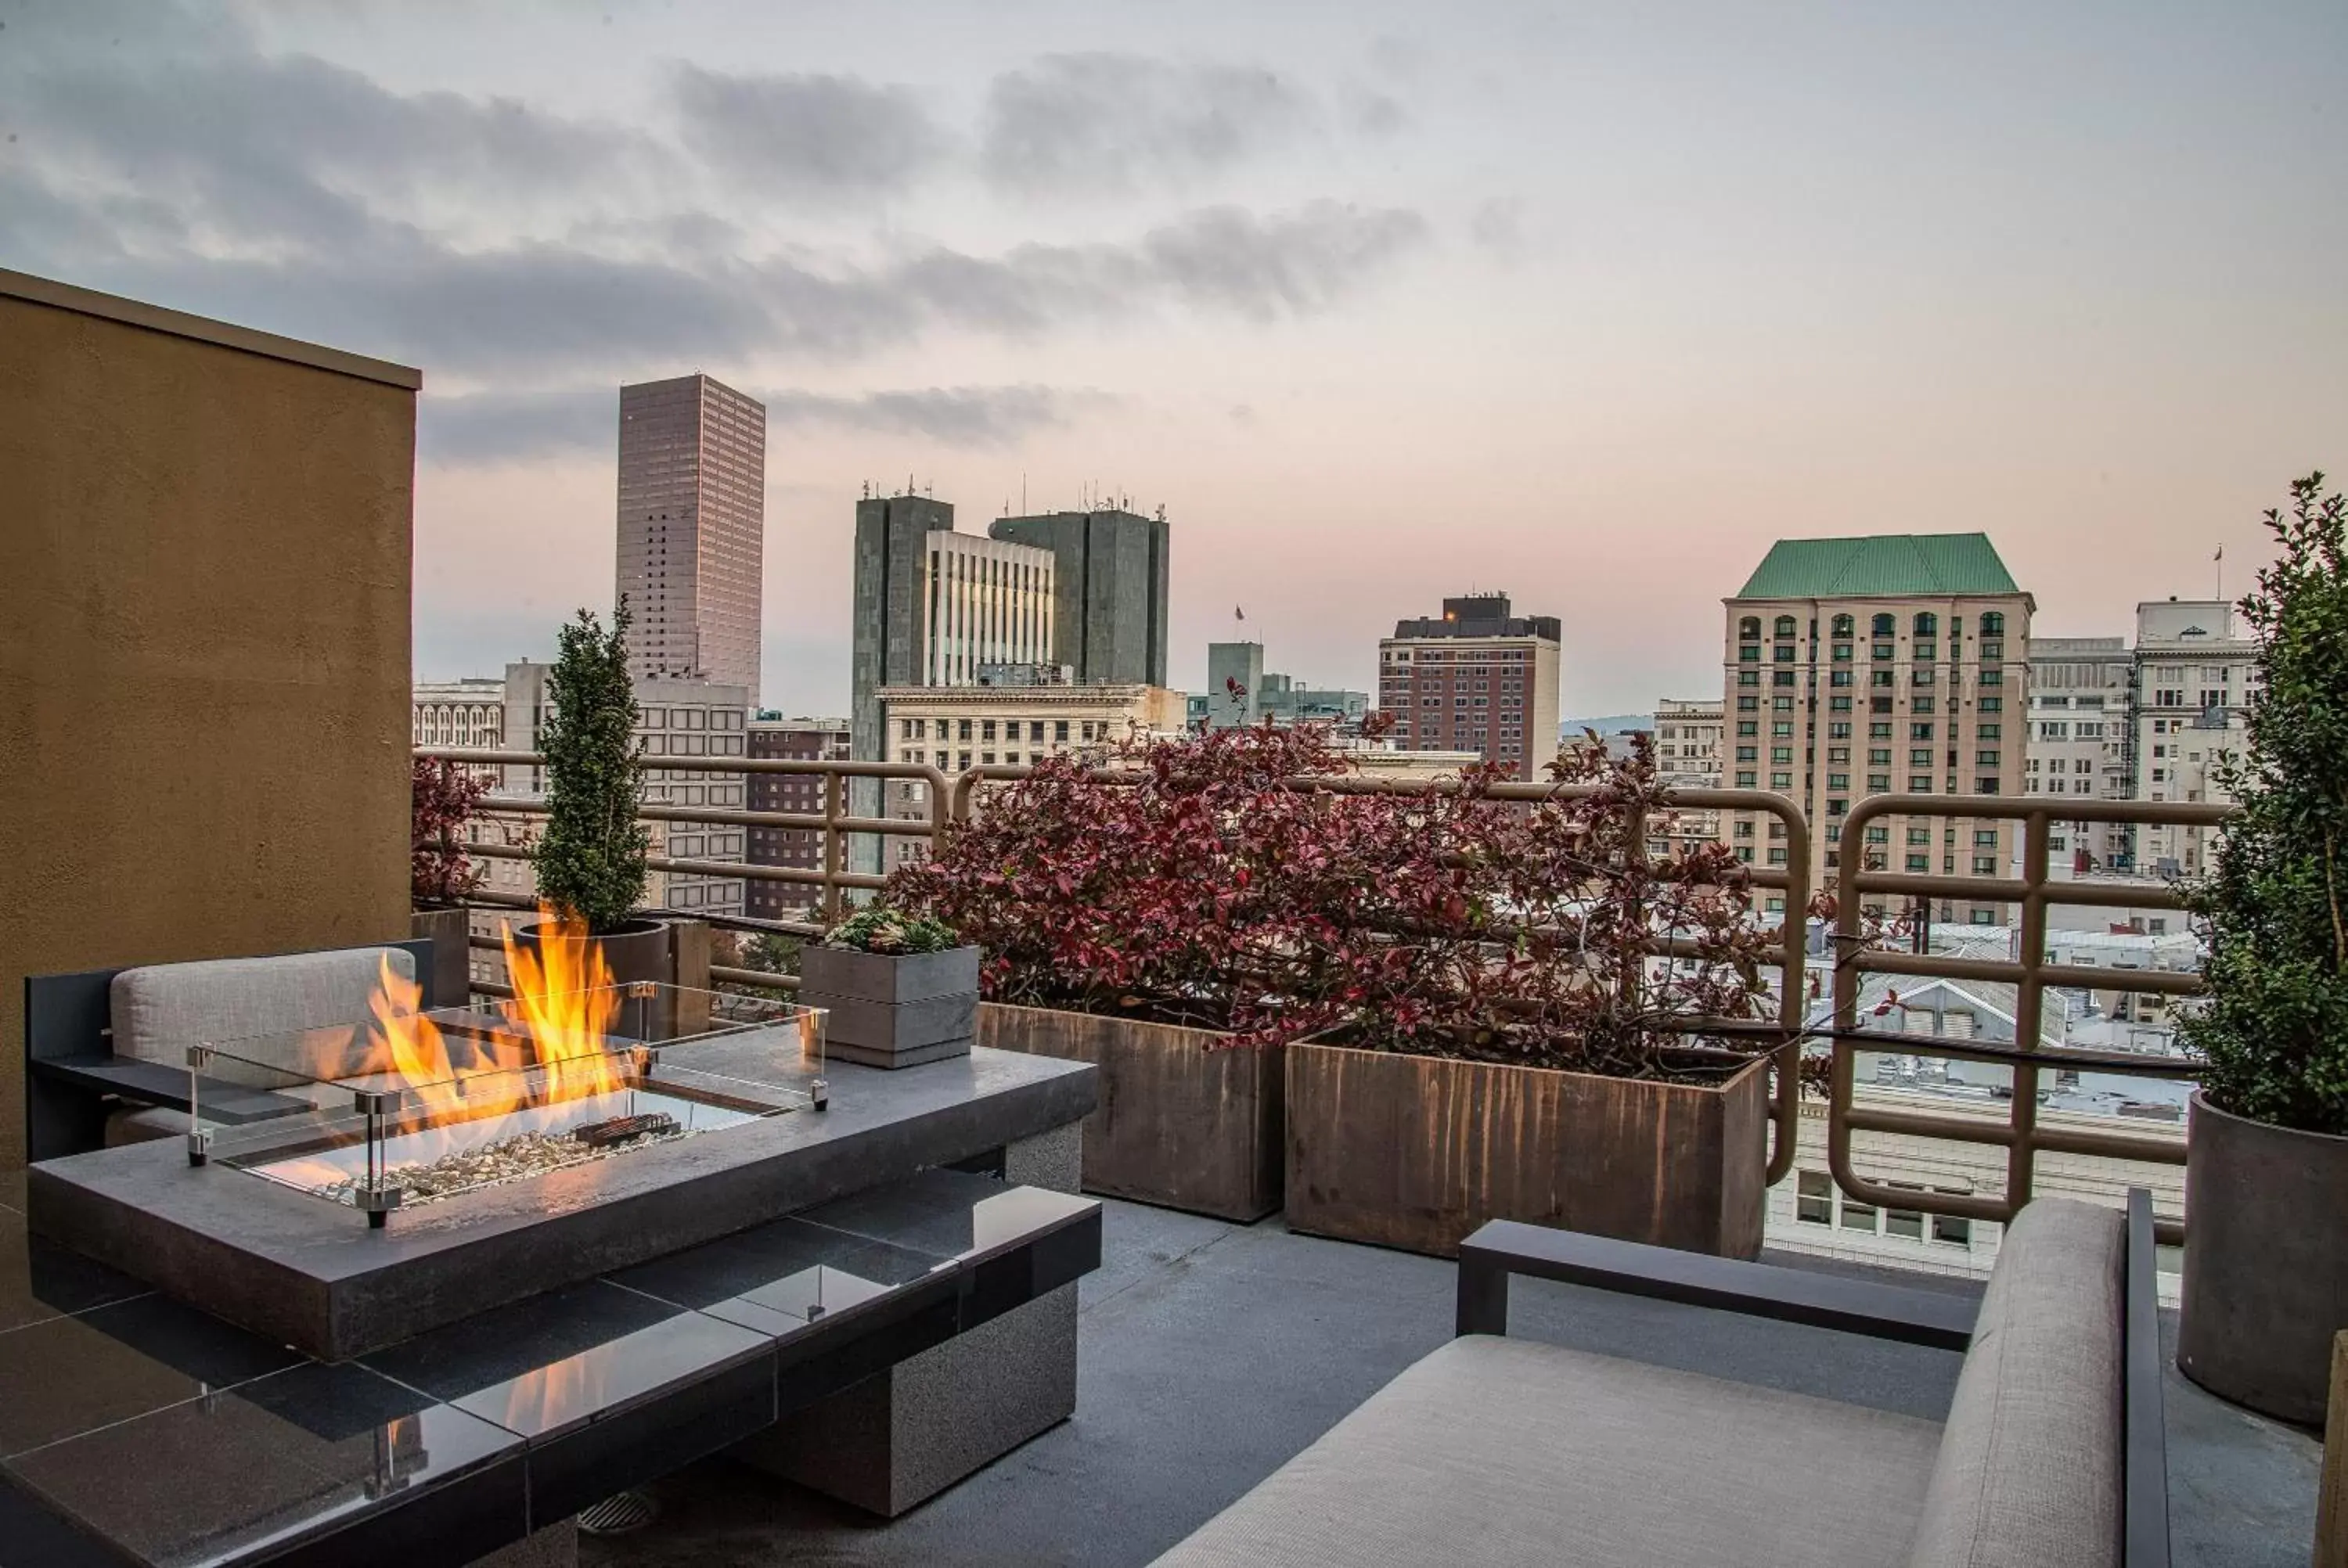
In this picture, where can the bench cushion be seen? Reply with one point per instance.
(159, 1010)
(1504, 1452)
(2030, 1465)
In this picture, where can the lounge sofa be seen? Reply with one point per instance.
(1505, 1451)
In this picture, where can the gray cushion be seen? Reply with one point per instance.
(2029, 1470)
(1506, 1452)
(159, 1010)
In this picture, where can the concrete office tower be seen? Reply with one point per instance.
(2195, 678)
(692, 528)
(2081, 741)
(1475, 679)
(1887, 664)
(1110, 619)
(1229, 665)
(932, 606)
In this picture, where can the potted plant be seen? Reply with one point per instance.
(442, 799)
(591, 859)
(1520, 1055)
(1165, 912)
(902, 988)
(2266, 1174)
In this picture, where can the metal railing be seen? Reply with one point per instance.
(2020, 1134)
(949, 799)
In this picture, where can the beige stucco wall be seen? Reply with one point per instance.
(203, 650)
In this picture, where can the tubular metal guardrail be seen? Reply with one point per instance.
(2020, 1134)
(953, 798)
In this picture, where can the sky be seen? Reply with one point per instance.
(1585, 303)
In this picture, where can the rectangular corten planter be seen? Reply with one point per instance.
(1181, 1122)
(1415, 1151)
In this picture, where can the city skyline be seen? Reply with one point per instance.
(1527, 290)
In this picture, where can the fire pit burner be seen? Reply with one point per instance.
(411, 1107)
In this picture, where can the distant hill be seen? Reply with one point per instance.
(1612, 725)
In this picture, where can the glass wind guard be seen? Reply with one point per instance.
(403, 1109)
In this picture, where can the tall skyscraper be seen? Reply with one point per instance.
(693, 527)
(1891, 663)
(1111, 576)
(931, 607)
(1476, 678)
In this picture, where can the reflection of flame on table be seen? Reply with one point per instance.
(399, 1455)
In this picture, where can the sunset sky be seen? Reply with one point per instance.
(1587, 303)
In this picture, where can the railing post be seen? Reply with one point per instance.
(2029, 1004)
(834, 851)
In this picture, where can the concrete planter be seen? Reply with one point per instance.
(452, 958)
(892, 1009)
(2266, 1262)
(1415, 1151)
(1182, 1123)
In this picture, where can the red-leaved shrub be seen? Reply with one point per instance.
(1249, 880)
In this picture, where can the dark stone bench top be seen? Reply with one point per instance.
(132, 1424)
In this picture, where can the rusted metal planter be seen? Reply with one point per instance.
(2266, 1262)
(1415, 1151)
(1182, 1123)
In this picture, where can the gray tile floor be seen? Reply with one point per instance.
(1210, 1353)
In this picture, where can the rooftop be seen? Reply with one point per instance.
(1880, 565)
(1210, 1353)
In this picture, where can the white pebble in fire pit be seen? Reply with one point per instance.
(507, 1160)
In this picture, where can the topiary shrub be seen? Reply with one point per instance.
(590, 860)
(2275, 1029)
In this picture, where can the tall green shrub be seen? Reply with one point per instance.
(591, 862)
(2275, 899)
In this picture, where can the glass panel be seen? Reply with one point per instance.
(406, 1108)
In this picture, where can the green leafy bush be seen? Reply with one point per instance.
(590, 860)
(880, 930)
(2275, 1030)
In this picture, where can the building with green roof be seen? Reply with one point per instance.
(1881, 565)
(1870, 666)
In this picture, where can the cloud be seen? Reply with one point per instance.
(808, 135)
(490, 427)
(481, 239)
(1108, 122)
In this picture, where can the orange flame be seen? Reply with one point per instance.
(567, 1000)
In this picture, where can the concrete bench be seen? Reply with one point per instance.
(1496, 1450)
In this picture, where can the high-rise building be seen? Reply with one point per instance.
(931, 607)
(1887, 664)
(2082, 741)
(692, 525)
(1109, 624)
(1476, 678)
(2195, 679)
(1688, 755)
(797, 740)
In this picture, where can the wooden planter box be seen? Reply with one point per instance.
(1181, 1122)
(1415, 1151)
(892, 1009)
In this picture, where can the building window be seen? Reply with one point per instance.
(1984, 864)
(1777, 857)
(1884, 626)
(1784, 626)
(1954, 1229)
(1749, 629)
(1920, 862)
(1858, 1216)
(1993, 624)
(1814, 1197)
(1842, 626)
(1926, 623)
(1905, 1222)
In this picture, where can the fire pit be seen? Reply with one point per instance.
(409, 1107)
